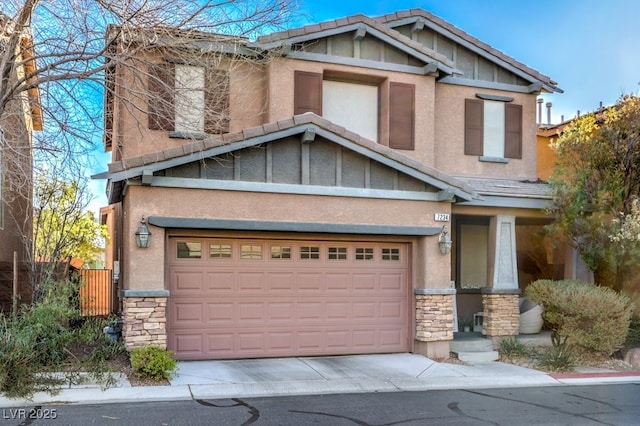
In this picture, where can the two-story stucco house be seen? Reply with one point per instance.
(305, 203)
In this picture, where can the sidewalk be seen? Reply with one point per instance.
(322, 375)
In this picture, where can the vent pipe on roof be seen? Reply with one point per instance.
(540, 101)
(549, 104)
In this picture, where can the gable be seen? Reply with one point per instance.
(357, 41)
(472, 65)
(480, 64)
(293, 161)
(350, 45)
(306, 154)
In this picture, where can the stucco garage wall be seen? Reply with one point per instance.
(147, 266)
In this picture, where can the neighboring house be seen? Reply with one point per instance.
(20, 118)
(304, 214)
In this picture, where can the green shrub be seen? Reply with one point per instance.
(556, 358)
(36, 343)
(511, 348)
(592, 319)
(36, 338)
(152, 362)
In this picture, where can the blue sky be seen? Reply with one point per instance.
(590, 47)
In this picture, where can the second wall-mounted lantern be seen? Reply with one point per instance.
(444, 241)
(143, 235)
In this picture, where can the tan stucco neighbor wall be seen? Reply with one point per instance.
(449, 135)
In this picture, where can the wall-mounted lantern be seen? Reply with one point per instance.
(444, 241)
(143, 235)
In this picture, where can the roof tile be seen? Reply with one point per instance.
(253, 132)
(176, 151)
(270, 128)
(232, 137)
(285, 124)
(212, 141)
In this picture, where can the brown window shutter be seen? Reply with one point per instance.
(473, 126)
(307, 88)
(161, 84)
(513, 131)
(216, 101)
(401, 115)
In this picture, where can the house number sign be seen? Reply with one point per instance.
(442, 217)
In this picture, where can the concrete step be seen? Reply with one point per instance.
(470, 342)
(477, 357)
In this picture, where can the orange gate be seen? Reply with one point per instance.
(97, 292)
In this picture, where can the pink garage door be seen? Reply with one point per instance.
(242, 298)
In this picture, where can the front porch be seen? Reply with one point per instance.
(474, 347)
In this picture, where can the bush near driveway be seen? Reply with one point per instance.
(35, 344)
(592, 319)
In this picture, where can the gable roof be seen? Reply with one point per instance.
(355, 23)
(303, 124)
(452, 32)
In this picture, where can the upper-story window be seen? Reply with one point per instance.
(493, 129)
(188, 98)
(356, 103)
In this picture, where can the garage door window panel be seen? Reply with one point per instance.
(280, 252)
(309, 252)
(364, 253)
(391, 254)
(220, 251)
(189, 250)
(251, 252)
(337, 253)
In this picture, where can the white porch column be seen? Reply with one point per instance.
(503, 266)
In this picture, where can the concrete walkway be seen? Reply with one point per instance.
(320, 375)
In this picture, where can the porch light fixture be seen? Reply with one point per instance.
(143, 235)
(444, 241)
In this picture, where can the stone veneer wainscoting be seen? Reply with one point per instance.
(501, 312)
(434, 321)
(145, 318)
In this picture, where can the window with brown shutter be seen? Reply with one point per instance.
(160, 85)
(473, 126)
(474, 129)
(513, 131)
(162, 102)
(401, 115)
(307, 87)
(216, 101)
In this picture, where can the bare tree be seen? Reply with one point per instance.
(58, 59)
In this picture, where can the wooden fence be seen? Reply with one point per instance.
(97, 293)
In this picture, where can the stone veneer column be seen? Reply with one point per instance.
(145, 318)
(501, 312)
(434, 321)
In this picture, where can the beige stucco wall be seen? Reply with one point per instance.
(145, 268)
(281, 91)
(449, 135)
